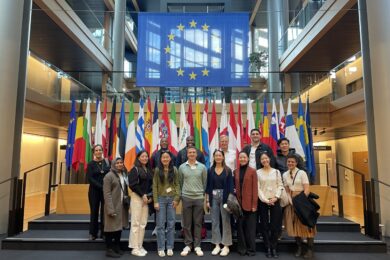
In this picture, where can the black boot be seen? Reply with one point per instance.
(275, 253)
(298, 241)
(117, 249)
(111, 253)
(268, 253)
(309, 252)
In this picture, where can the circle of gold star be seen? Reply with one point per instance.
(180, 72)
(192, 76)
(193, 24)
(180, 27)
(205, 27)
(167, 49)
(205, 72)
(171, 37)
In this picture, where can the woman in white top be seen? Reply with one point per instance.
(270, 187)
(296, 181)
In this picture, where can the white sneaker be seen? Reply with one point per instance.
(169, 252)
(216, 250)
(198, 251)
(185, 251)
(225, 251)
(143, 251)
(137, 252)
(161, 253)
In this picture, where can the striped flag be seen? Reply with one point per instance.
(265, 132)
(140, 133)
(205, 135)
(112, 135)
(291, 132)
(198, 126)
(105, 132)
(183, 131)
(213, 135)
(190, 120)
(259, 121)
(87, 134)
(78, 156)
(98, 127)
(156, 129)
(232, 129)
(164, 125)
(250, 121)
(282, 120)
(122, 133)
(148, 127)
(240, 130)
(274, 137)
(310, 162)
(223, 126)
(130, 151)
(174, 148)
(71, 136)
(301, 128)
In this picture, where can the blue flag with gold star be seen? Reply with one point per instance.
(193, 50)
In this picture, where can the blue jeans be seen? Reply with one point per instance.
(166, 214)
(218, 211)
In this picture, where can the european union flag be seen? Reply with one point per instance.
(193, 50)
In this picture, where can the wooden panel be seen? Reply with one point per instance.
(73, 199)
(360, 164)
(325, 200)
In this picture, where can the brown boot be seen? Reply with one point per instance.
(298, 241)
(309, 252)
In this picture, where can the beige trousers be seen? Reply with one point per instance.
(139, 219)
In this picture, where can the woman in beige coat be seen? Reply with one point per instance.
(116, 210)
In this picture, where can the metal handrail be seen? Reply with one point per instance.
(7, 180)
(374, 180)
(327, 172)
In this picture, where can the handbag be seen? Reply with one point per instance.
(126, 201)
(283, 200)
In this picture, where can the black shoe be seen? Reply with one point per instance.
(308, 254)
(275, 253)
(112, 253)
(268, 253)
(298, 253)
(92, 237)
(118, 250)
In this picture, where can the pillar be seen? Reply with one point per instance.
(119, 44)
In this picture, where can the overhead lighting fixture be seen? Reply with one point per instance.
(323, 131)
(264, 90)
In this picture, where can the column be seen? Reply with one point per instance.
(119, 44)
(375, 42)
(15, 23)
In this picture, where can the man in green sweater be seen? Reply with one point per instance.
(193, 180)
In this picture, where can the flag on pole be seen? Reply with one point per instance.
(240, 130)
(173, 130)
(78, 156)
(122, 133)
(71, 136)
(130, 153)
(112, 135)
(301, 128)
(250, 121)
(205, 135)
(198, 126)
(232, 129)
(87, 134)
(274, 137)
(265, 132)
(148, 127)
(164, 126)
(310, 162)
(140, 133)
(223, 126)
(259, 121)
(183, 131)
(213, 135)
(190, 120)
(105, 132)
(291, 132)
(98, 127)
(156, 129)
(282, 120)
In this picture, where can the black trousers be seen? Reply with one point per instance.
(113, 239)
(246, 233)
(271, 223)
(96, 202)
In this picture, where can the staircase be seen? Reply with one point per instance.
(70, 232)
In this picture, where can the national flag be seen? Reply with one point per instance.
(291, 132)
(258, 121)
(265, 130)
(250, 121)
(112, 136)
(198, 126)
(164, 125)
(310, 162)
(87, 134)
(148, 127)
(98, 127)
(140, 133)
(213, 135)
(190, 120)
(232, 129)
(78, 156)
(173, 130)
(156, 129)
(274, 136)
(282, 120)
(122, 133)
(205, 135)
(223, 126)
(301, 128)
(105, 132)
(240, 130)
(183, 131)
(71, 136)
(130, 153)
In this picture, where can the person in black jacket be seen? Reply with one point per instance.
(283, 151)
(96, 170)
(256, 148)
(182, 155)
(157, 154)
(140, 182)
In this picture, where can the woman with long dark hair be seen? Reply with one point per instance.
(140, 182)
(96, 170)
(166, 196)
(219, 186)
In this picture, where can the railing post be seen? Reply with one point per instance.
(48, 195)
(15, 219)
(339, 196)
(327, 174)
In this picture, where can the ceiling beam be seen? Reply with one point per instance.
(254, 12)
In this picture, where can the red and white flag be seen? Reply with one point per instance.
(240, 130)
(213, 134)
(282, 120)
(105, 131)
(232, 129)
(223, 126)
(250, 121)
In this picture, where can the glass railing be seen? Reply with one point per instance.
(130, 23)
(299, 22)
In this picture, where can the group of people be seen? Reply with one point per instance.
(258, 181)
